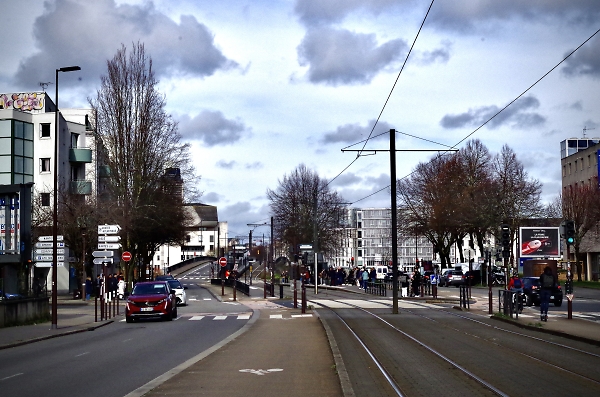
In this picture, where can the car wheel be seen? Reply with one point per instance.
(558, 303)
(128, 319)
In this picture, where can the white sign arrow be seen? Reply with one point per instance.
(109, 239)
(108, 229)
(50, 238)
(49, 264)
(103, 254)
(99, 261)
(109, 246)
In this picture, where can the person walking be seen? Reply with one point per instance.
(365, 278)
(88, 288)
(416, 283)
(547, 284)
(121, 288)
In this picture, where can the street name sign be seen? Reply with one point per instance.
(49, 264)
(49, 244)
(99, 261)
(109, 246)
(108, 229)
(43, 251)
(60, 258)
(50, 238)
(103, 254)
(109, 239)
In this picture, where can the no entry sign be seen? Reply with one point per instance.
(223, 261)
(126, 256)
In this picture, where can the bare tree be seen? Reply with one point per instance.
(581, 203)
(140, 142)
(304, 204)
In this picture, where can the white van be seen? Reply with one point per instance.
(381, 272)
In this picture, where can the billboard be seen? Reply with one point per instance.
(540, 242)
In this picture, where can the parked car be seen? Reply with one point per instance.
(455, 278)
(6, 295)
(179, 291)
(151, 299)
(164, 277)
(531, 289)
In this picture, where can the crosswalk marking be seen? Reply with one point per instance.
(243, 317)
(196, 317)
(276, 316)
(220, 318)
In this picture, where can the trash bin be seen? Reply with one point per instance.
(77, 294)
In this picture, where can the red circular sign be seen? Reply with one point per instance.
(126, 256)
(223, 261)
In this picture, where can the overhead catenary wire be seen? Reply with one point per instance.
(499, 111)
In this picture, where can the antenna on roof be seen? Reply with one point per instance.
(585, 129)
(44, 85)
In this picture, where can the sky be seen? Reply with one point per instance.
(259, 87)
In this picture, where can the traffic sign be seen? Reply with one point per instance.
(51, 238)
(109, 239)
(49, 244)
(223, 261)
(126, 256)
(42, 251)
(109, 246)
(108, 229)
(49, 264)
(49, 258)
(99, 261)
(103, 254)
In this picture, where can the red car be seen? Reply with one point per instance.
(151, 299)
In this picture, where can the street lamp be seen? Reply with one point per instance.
(55, 202)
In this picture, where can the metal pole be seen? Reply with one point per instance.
(394, 221)
(55, 210)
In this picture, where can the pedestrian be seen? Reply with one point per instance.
(547, 284)
(416, 283)
(365, 278)
(88, 288)
(98, 286)
(121, 288)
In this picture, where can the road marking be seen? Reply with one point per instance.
(82, 354)
(276, 316)
(220, 318)
(261, 371)
(301, 315)
(196, 317)
(243, 317)
(207, 299)
(12, 376)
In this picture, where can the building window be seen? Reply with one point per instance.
(212, 238)
(44, 165)
(45, 130)
(45, 197)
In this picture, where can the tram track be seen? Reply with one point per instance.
(471, 333)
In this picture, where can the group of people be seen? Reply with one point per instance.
(114, 286)
(547, 284)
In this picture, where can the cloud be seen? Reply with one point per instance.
(517, 115)
(441, 54)
(354, 133)
(211, 198)
(228, 165)
(87, 33)
(316, 12)
(254, 166)
(212, 128)
(585, 62)
(339, 56)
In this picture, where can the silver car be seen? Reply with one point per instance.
(179, 291)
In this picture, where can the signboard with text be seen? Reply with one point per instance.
(539, 242)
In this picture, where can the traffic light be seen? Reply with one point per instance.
(570, 232)
(505, 239)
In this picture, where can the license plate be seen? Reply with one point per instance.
(146, 309)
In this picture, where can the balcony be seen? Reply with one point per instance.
(80, 155)
(81, 186)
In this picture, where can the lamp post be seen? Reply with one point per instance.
(55, 200)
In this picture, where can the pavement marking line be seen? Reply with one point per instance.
(82, 354)
(301, 315)
(330, 303)
(243, 317)
(219, 318)
(365, 304)
(276, 316)
(207, 299)
(196, 318)
(12, 376)
(261, 371)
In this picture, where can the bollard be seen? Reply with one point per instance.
(234, 290)
(303, 298)
(96, 309)
(280, 291)
(118, 305)
(265, 289)
(222, 287)
(295, 295)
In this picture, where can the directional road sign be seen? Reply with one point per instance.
(49, 245)
(42, 251)
(60, 258)
(99, 261)
(109, 239)
(50, 238)
(49, 264)
(109, 246)
(103, 254)
(108, 229)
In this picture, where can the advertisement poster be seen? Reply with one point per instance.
(540, 242)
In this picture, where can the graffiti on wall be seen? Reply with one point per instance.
(22, 101)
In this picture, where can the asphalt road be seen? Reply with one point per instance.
(116, 359)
